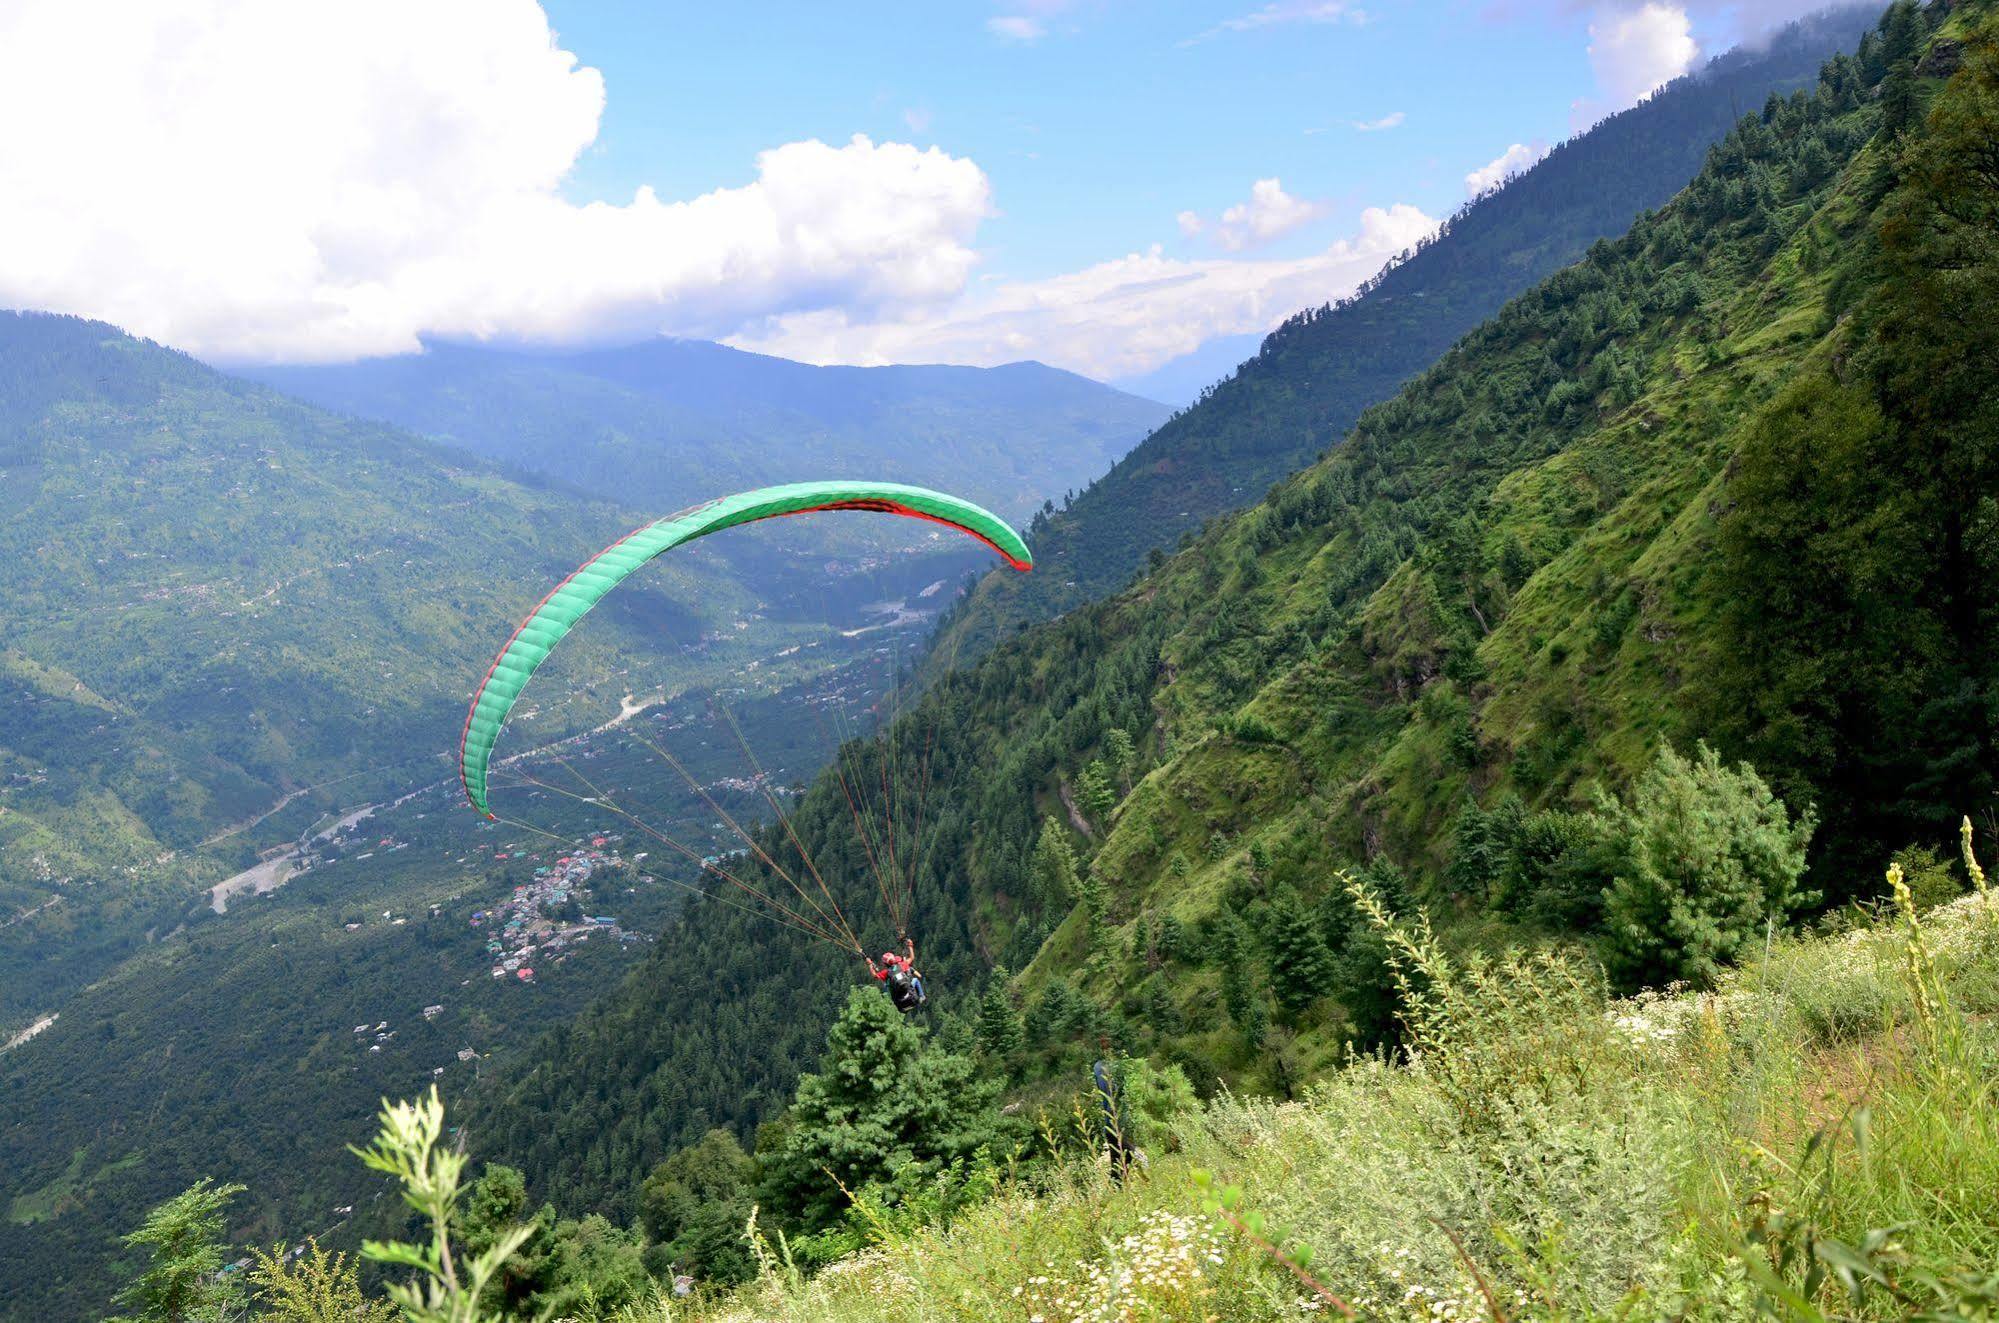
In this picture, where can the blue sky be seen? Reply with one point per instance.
(1097, 134)
(1105, 185)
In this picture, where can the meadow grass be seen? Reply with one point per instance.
(1815, 1138)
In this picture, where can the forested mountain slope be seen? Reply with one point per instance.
(651, 423)
(216, 596)
(1314, 375)
(1727, 478)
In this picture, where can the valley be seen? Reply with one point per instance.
(1485, 814)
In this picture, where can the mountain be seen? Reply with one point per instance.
(661, 422)
(222, 602)
(1725, 479)
(1180, 381)
(1314, 375)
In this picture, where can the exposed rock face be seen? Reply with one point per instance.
(1943, 60)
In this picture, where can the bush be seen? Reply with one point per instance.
(1702, 856)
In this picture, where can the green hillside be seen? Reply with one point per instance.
(1312, 377)
(217, 596)
(1593, 527)
(232, 1044)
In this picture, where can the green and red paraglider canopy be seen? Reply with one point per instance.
(567, 602)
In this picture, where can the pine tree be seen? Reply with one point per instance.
(1098, 795)
(999, 1030)
(1095, 895)
(1120, 753)
(1705, 855)
(883, 1103)
(1301, 967)
(1240, 993)
(183, 1239)
(1902, 32)
(1053, 867)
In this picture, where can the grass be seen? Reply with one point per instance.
(1825, 1117)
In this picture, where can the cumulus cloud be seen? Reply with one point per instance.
(1516, 159)
(1115, 319)
(1016, 27)
(1269, 213)
(1633, 52)
(1391, 120)
(321, 181)
(1281, 12)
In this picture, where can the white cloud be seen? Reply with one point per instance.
(1114, 319)
(1016, 27)
(1392, 120)
(1269, 213)
(1633, 51)
(1514, 160)
(249, 180)
(1281, 12)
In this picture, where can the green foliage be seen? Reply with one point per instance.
(1313, 378)
(315, 1287)
(999, 1031)
(1154, 1100)
(1053, 867)
(694, 1206)
(408, 1149)
(1120, 754)
(1555, 1154)
(182, 1281)
(1098, 795)
(1301, 968)
(1931, 878)
(1862, 553)
(1702, 858)
(884, 1105)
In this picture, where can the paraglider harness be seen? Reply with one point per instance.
(898, 973)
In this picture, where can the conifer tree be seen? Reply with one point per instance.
(1120, 753)
(1704, 855)
(883, 1103)
(999, 1029)
(1053, 868)
(182, 1239)
(1301, 967)
(1098, 795)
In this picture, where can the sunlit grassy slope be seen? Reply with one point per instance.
(1550, 1154)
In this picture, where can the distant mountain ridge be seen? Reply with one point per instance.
(217, 595)
(1314, 375)
(666, 421)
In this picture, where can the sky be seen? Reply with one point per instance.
(1103, 185)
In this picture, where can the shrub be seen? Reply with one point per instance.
(1703, 856)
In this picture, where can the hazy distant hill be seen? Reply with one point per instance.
(670, 421)
(1314, 375)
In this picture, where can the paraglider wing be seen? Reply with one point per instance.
(558, 612)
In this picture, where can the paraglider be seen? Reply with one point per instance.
(900, 976)
(566, 604)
